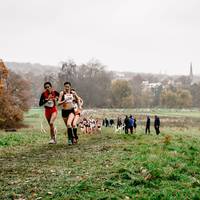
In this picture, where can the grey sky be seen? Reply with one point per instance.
(132, 35)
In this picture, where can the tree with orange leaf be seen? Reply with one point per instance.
(14, 98)
(3, 75)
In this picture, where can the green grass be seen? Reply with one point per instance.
(101, 166)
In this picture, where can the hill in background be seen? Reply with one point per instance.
(36, 68)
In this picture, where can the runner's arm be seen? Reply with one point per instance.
(60, 102)
(42, 100)
(56, 95)
(78, 99)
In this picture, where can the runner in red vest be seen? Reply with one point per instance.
(48, 99)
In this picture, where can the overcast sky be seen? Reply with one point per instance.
(158, 36)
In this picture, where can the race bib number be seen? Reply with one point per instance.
(49, 104)
(68, 98)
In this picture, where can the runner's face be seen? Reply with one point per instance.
(67, 87)
(47, 87)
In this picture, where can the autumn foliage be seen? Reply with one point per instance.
(10, 114)
(14, 100)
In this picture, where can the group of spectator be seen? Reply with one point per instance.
(156, 124)
(129, 124)
(106, 122)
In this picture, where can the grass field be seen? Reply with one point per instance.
(107, 165)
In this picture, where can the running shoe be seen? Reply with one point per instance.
(52, 141)
(74, 141)
(69, 142)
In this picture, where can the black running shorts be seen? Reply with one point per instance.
(65, 113)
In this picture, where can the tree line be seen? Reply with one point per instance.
(99, 88)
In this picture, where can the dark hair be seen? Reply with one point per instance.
(67, 83)
(47, 83)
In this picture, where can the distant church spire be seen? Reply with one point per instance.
(191, 72)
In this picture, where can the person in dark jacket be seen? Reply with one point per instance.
(119, 122)
(148, 123)
(131, 123)
(126, 123)
(106, 122)
(157, 124)
(112, 122)
(135, 124)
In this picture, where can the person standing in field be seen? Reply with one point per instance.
(131, 123)
(148, 123)
(119, 122)
(126, 124)
(48, 99)
(66, 99)
(106, 122)
(112, 122)
(78, 103)
(135, 124)
(157, 124)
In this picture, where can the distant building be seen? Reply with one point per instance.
(193, 79)
(148, 86)
(120, 76)
(191, 72)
